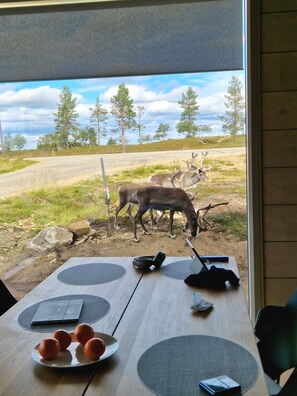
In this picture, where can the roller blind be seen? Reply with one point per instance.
(122, 38)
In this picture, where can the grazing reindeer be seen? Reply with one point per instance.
(189, 179)
(127, 195)
(179, 179)
(163, 198)
(184, 180)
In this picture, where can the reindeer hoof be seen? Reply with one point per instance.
(172, 236)
(116, 227)
(136, 239)
(146, 233)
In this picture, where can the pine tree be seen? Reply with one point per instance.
(66, 118)
(8, 142)
(19, 142)
(99, 116)
(111, 142)
(123, 111)
(139, 125)
(187, 123)
(47, 142)
(162, 131)
(234, 119)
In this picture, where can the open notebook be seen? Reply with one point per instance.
(58, 311)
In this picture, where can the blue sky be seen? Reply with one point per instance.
(27, 108)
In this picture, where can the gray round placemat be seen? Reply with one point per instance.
(91, 274)
(177, 270)
(175, 366)
(94, 309)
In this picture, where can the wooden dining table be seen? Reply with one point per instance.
(147, 309)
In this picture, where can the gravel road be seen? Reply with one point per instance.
(68, 170)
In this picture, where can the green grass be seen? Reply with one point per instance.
(10, 165)
(234, 223)
(61, 206)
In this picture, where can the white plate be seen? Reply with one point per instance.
(74, 355)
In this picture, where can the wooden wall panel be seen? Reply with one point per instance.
(280, 223)
(279, 72)
(278, 87)
(281, 260)
(280, 186)
(278, 291)
(278, 5)
(279, 148)
(279, 32)
(279, 110)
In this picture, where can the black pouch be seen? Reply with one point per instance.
(214, 278)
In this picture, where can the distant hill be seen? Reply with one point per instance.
(202, 143)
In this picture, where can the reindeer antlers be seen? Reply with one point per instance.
(191, 164)
(202, 223)
(204, 155)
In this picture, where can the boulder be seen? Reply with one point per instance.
(80, 227)
(50, 238)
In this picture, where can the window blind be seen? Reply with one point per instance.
(122, 38)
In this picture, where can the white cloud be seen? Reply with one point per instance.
(32, 108)
(162, 107)
(9, 87)
(83, 110)
(213, 104)
(23, 118)
(43, 96)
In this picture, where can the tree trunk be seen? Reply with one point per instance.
(123, 132)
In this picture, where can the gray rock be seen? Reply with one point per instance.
(50, 238)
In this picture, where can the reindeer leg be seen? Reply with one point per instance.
(161, 216)
(129, 211)
(120, 207)
(138, 217)
(135, 239)
(152, 219)
(171, 213)
(145, 231)
(156, 222)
